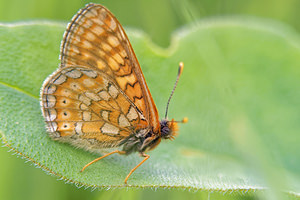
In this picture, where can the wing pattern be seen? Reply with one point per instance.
(83, 105)
(96, 39)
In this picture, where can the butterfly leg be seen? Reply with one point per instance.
(146, 157)
(97, 159)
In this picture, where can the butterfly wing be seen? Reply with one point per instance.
(96, 39)
(82, 105)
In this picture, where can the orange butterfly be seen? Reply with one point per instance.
(98, 98)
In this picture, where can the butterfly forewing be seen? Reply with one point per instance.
(96, 39)
(83, 105)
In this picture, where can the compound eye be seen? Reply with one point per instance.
(165, 131)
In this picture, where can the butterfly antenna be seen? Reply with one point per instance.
(178, 76)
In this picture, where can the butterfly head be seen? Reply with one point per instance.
(169, 129)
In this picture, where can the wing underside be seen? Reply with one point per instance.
(97, 40)
(82, 105)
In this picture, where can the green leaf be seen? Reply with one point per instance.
(240, 90)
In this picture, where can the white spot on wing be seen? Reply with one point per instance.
(50, 101)
(83, 107)
(52, 127)
(113, 24)
(92, 96)
(60, 79)
(86, 116)
(104, 95)
(90, 73)
(123, 122)
(50, 114)
(108, 128)
(132, 114)
(105, 115)
(112, 90)
(73, 73)
(50, 89)
(102, 14)
(85, 100)
(78, 127)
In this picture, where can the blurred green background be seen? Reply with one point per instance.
(158, 18)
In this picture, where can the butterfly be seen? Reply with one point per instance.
(98, 97)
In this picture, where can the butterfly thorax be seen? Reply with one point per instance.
(146, 139)
(141, 141)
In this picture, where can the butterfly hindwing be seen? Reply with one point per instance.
(84, 105)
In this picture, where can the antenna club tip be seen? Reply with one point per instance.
(181, 65)
(185, 120)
